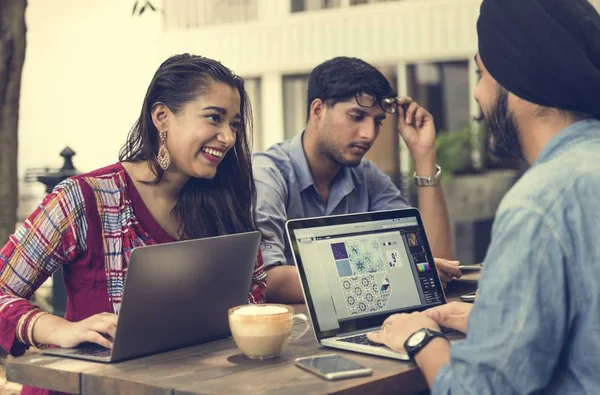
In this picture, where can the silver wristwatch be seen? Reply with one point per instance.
(421, 181)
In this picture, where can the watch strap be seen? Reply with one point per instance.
(429, 181)
(429, 336)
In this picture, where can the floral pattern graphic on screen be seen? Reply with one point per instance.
(364, 294)
(362, 275)
(363, 256)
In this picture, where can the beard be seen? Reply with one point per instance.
(330, 150)
(503, 141)
(338, 157)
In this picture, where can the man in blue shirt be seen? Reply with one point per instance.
(535, 324)
(322, 171)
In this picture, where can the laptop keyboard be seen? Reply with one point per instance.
(364, 340)
(360, 339)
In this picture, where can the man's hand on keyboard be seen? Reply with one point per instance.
(398, 327)
(452, 315)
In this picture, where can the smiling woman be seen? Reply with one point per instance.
(183, 173)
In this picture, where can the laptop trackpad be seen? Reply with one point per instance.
(93, 350)
(85, 350)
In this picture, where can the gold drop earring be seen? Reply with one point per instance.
(163, 157)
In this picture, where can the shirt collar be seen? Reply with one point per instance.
(342, 181)
(572, 135)
(299, 163)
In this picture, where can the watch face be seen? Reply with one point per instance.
(416, 338)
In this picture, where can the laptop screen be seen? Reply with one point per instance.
(358, 269)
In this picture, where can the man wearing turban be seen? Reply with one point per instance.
(535, 324)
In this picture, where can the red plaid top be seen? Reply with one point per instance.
(88, 226)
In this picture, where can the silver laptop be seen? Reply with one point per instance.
(177, 295)
(358, 269)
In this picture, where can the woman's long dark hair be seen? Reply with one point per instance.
(226, 203)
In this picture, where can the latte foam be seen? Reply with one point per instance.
(260, 310)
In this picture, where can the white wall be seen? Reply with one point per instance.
(281, 43)
(382, 33)
(87, 66)
(88, 63)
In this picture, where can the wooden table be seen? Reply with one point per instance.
(220, 367)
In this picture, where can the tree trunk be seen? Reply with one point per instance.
(12, 56)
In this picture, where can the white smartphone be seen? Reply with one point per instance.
(332, 367)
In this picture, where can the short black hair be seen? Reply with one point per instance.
(340, 78)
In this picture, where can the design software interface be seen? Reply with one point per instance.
(362, 269)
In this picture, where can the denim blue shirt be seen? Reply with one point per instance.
(535, 327)
(286, 190)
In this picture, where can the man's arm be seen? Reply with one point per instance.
(431, 359)
(417, 129)
(434, 210)
(396, 329)
(283, 284)
(385, 196)
(510, 347)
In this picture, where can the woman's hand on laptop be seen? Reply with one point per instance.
(447, 270)
(452, 315)
(95, 329)
(398, 327)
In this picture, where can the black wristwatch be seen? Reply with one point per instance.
(420, 339)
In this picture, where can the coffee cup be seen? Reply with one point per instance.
(262, 331)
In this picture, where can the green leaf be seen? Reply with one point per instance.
(453, 150)
(135, 4)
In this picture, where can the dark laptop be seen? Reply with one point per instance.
(177, 295)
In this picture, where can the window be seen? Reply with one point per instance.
(189, 14)
(295, 94)
(360, 2)
(252, 86)
(312, 5)
(443, 89)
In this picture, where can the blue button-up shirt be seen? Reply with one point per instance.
(286, 190)
(535, 327)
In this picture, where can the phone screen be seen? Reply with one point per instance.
(330, 364)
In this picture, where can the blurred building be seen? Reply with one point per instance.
(88, 65)
(424, 47)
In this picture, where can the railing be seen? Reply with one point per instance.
(187, 14)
